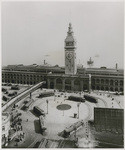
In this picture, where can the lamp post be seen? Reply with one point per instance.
(47, 105)
(78, 104)
(54, 96)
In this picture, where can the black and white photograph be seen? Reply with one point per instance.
(62, 74)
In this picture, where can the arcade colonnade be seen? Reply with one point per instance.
(68, 84)
(84, 84)
(108, 84)
(64, 82)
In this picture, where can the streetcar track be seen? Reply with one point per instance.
(105, 103)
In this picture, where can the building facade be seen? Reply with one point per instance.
(69, 77)
(107, 80)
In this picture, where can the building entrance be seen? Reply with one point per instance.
(68, 87)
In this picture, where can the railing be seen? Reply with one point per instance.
(21, 95)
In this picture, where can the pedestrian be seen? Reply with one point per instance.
(21, 128)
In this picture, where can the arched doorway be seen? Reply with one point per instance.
(106, 88)
(67, 84)
(51, 85)
(77, 85)
(93, 87)
(111, 82)
(102, 88)
(97, 88)
(85, 87)
(121, 89)
(111, 88)
(121, 83)
(116, 89)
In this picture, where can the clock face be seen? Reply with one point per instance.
(69, 55)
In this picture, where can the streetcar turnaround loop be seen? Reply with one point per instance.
(105, 103)
(97, 105)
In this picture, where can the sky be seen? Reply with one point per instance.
(34, 31)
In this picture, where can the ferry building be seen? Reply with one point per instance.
(70, 77)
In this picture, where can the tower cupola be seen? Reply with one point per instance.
(70, 40)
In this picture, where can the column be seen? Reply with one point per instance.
(48, 83)
(55, 83)
(63, 84)
(89, 82)
(72, 85)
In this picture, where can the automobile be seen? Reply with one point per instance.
(4, 98)
(9, 84)
(4, 90)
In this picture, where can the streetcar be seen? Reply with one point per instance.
(38, 111)
(72, 128)
(76, 98)
(90, 98)
(41, 121)
(46, 94)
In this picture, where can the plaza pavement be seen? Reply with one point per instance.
(57, 120)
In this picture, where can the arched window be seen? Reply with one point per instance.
(97, 80)
(116, 82)
(59, 81)
(102, 81)
(121, 83)
(107, 81)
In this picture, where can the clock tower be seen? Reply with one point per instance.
(70, 53)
